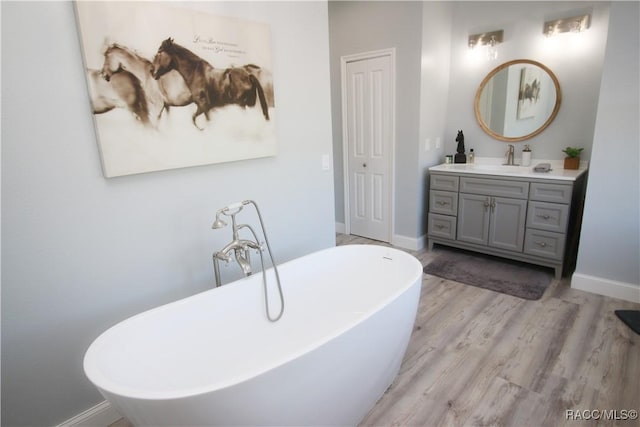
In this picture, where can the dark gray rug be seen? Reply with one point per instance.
(497, 274)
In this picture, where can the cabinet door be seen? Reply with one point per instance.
(548, 216)
(547, 192)
(444, 182)
(443, 202)
(442, 226)
(545, 244)
(495, 187)
(507, 221)
(473, 218)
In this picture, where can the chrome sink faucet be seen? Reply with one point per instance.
(510, 154)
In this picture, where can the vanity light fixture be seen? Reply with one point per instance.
(492, 50)
(577, 24)
(491, 40)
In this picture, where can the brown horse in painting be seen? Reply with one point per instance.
(210, 87)
(530, 91)
(266, 81)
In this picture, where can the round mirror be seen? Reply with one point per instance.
(517, 100)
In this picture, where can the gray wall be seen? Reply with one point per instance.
(437, 19)
(81, 252)
(576, 62)
(357, 27)
(449, 77)
(600, 118)
(610, 242)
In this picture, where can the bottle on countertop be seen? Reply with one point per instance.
(526, 156)
(471, 157)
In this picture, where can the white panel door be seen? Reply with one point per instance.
(369, 135)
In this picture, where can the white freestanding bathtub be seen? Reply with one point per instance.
(215, 359)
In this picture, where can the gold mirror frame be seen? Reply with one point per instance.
(495, 71)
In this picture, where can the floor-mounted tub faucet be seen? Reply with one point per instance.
(241, 249)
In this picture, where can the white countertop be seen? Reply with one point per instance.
(495, 167)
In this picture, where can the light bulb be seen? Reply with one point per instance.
(492, 49)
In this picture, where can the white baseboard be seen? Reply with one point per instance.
(606, 287)
(101, 415)
(411, 243)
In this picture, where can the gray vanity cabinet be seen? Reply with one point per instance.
(547, 220)
(443, 202)
(473, 221)
(484, 218)
(492, 221)
(531, 220)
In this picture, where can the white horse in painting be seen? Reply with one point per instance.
(170, 90)
(122, 91)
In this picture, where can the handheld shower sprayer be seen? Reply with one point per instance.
(236, 206)
(218, 223)
(229, 210)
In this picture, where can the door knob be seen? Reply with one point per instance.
(364, 165)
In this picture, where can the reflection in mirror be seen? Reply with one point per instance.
(517, 100)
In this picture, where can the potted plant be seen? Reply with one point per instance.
(572, 161)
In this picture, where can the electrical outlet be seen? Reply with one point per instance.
(427, 144)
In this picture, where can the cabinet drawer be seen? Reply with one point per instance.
(443, 202)
(548, 216)
(495, 187)
(556, 193)
(444, 182)
(442, 226)
(544, 243)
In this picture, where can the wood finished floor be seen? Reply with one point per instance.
(477, 357)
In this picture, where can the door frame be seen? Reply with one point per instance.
(344, 60)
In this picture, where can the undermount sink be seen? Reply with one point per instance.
(502, 168)
(490, 168)
(493, 166)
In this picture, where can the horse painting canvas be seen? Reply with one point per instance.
(529, 94)
(173, 87)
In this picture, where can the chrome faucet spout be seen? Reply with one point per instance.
(244, 261)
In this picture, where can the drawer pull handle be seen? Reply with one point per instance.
(440, 226)
(545, 217)
(441, 203)
(543, 244)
